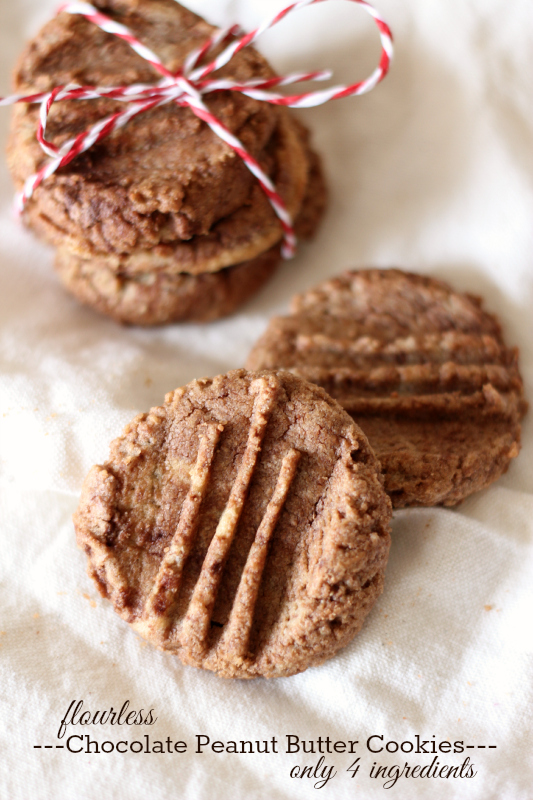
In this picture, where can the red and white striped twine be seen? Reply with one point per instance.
(186, 88)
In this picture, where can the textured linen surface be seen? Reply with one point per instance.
(433, 172)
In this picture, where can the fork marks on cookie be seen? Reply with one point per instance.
(196, 625)
(237, 633)
(168, 578)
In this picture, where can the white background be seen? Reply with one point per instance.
(433, 172)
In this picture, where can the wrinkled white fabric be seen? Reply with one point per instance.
(433, 172)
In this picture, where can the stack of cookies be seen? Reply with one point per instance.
(161, 220)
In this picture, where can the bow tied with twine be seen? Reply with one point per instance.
(187, 88)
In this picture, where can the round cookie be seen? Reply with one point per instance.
(421, 368)
(165, 175)
(246, 233)
(157, 297)
(242, 526)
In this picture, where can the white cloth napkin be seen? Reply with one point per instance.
(433, 172)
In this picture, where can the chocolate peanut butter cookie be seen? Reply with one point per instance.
(244, 234)
(421, 368)
(157, 297)
(158, 294)
(161, 220)
(165, 175)
(242, 526)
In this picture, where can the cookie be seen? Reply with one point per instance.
(242, 526)
(241, 236)
(165, 175)
(159, 295)
(148, 217)
(423, 369)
